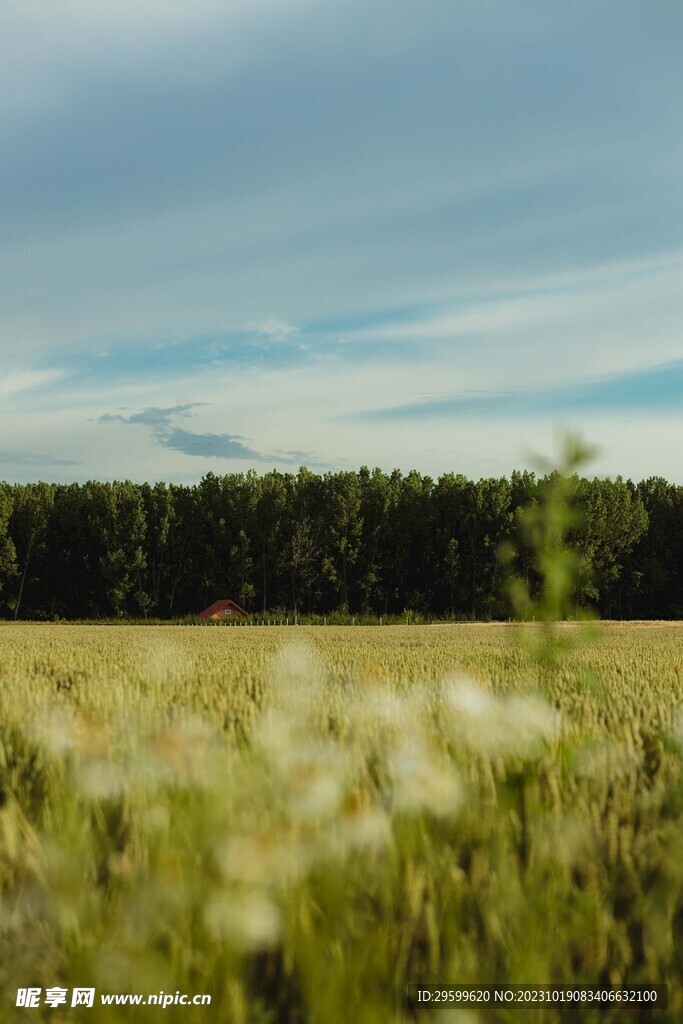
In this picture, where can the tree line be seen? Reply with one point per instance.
(366, 542)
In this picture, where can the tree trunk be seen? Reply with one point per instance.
(23, 580)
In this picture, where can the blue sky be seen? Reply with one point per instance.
(419, 234)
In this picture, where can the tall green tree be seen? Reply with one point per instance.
(269, 513)
(31, 507)
(302, 556)
(374, 511)
(344, 531)
(656, 562)
(8, 554)
(181, 549)
(123, 560)
(613, 518)
(159, 514)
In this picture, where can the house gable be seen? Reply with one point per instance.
(224, 610)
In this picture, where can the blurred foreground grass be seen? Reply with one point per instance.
(299, 821)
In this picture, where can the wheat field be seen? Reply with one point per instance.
(299, 822)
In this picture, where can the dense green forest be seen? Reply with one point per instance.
(365, 542)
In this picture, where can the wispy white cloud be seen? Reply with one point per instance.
(272, 328)
(656, 389)
(33, 460)
(597, 319)
(65, 45)
(15, 381)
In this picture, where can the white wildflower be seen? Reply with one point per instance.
(423, 782)
(362, 827)
(186, 751)
(100, 779)
(382, 713)
(277, 735)
(512, 725)
(468, 698)
(64, 733)
(314, 780)
(247, 920)
(532, 722)
(261, 858)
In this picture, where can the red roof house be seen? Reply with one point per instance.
(223, 610)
